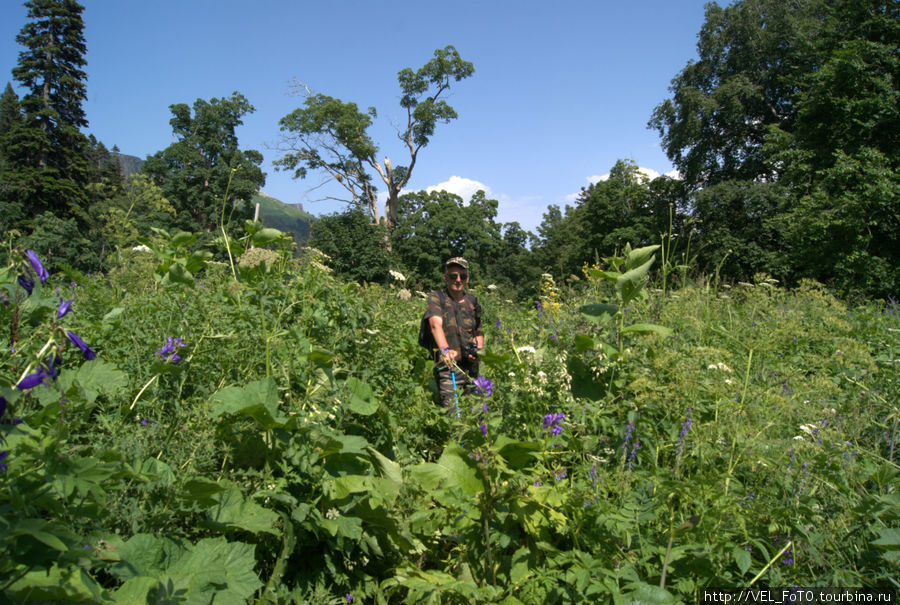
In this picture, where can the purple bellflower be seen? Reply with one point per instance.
(64, 307)
(42, 273)
(33, 380)
(552, 423)
(483, 386)
(169, 352)
(85, 350)
(26, 283)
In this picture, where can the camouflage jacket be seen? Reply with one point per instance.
(461, 320)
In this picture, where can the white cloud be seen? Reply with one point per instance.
(649, 173)
(463, 187)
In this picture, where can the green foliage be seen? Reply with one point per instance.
(205, 167)
(636, 444)
(354, 244)
(331, 136)
(788, 123)
(436, 226)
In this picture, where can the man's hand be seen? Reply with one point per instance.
(448, 356)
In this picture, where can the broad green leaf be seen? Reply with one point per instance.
(146, 555)
(135, 590)
(518, 454)
(647, 329)
(215, 571)
(100, 377)
(38, 529)
(583, 343)
(67, 585)
(639, 256)
(630, 283)
(386, 467)
(888, 538)
(201, 490)
(650, 595)
(599, 313)
(742, 558)
(183, 237)
(362, 400)
(232, 511)
(451, 471)
(266, 236)
(344, 526)
(113, 314)
(341, 487)
(159, 471)
(258, 400)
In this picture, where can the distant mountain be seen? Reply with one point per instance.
(273, 212)
(285, 217)
(129, 164)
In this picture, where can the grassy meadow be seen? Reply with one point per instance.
(260, 431)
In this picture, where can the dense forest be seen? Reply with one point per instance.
(784, 131)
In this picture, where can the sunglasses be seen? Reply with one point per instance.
(460, 276)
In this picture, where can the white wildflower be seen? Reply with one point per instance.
(404, 294)
(728, 381)
(798, 438)
(718, 366)
(421, 294)
(525, 349)
(397, 275)
(141, 248)
(492, 287)
(512, 374)
(371, 331)
(332, 514)
(808, 428)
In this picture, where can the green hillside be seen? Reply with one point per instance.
(277, 214)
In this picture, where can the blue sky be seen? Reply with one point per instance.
(560, 92)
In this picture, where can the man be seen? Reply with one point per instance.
(454, 318)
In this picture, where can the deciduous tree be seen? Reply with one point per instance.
(330, 136)
(205, 168)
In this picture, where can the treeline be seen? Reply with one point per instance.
(784, 130)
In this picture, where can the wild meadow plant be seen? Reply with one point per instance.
(265, 432)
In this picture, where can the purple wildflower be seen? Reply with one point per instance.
(552, 423)
(33, 380)
(560, 474)
(348, 598)
(85, 350)
(3, 466)
(685, 427)
(483, 386)
(64, 306)
(629, 431)
(26, 283)
(42, 273)
(498, 325)
(483, 428)
(169, 352)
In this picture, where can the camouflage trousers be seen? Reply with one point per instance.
(464, 386)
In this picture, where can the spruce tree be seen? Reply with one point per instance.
(50, 154)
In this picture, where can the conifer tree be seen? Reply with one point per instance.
(49, 155)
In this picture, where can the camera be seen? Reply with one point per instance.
(470, 350)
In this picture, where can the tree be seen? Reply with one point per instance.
(753, 56)
(205, 164)
(11, 124)
(47, 155)
(804, 94)
(438, 225)
(354, 245)
(331, 136)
